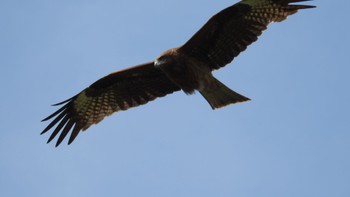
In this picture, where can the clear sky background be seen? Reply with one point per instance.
(292, 139)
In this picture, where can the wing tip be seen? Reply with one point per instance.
(63, 122)
(63, 102)
(301, 7)
(291, 3)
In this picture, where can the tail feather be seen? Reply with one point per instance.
(218, 95)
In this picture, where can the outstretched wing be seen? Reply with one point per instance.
(117, 91)
(230, 31)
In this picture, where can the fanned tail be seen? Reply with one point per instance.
(218, 95)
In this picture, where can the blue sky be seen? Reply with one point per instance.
(291, 140)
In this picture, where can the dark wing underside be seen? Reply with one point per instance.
(117, 91)
(230, 31)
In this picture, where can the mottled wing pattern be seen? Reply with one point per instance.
(117, 91)
(230, 31)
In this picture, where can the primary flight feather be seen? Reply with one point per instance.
(187, 68)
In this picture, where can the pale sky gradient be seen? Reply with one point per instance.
(291, 140)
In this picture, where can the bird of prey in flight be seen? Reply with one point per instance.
(187, 68)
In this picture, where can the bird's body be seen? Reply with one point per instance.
(188, 73)
(188, 68)
(191, 73)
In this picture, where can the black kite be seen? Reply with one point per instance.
(186, 68)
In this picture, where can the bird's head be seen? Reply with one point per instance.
(166, 58)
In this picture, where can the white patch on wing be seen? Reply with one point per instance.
(79, 102)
